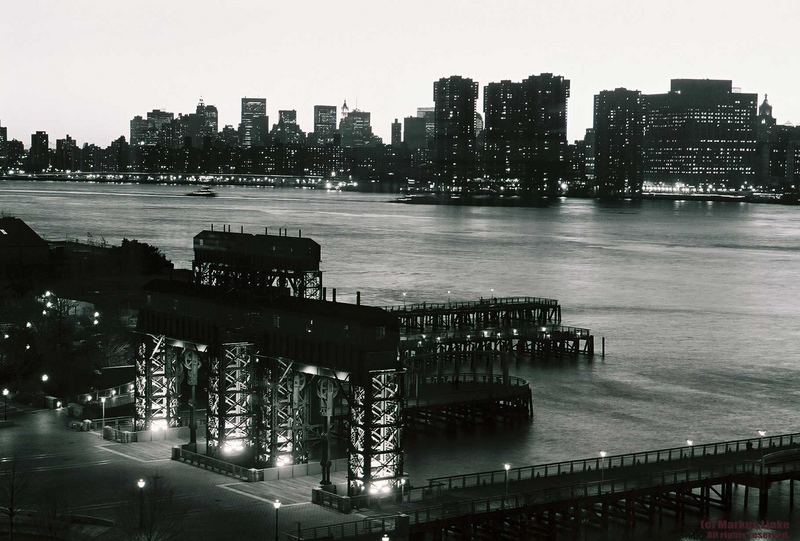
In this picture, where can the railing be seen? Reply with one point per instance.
(591, 490)
(111, 421)
(213, 464)
(615, 461)
(460, 305)
(525, 330)
(470, 377)
(372, 525)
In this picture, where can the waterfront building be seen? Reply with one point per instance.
(618, 141)
(765, 130)
(138, 130)
(454, 132)
(415, 132)
(67, 157)
(254, 126)
(40, 152)
(396, 133)
(543, 134)
(324, 124)
(502, 104)
(3, 148)
(784, 157)
(701, 134)
(210, 116)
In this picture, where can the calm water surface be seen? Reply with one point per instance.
(698, 301)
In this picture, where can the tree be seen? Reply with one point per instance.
(14, 494)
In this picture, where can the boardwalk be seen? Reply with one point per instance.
(546, 499)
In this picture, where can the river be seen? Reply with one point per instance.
(698, 301)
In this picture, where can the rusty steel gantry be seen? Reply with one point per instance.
(245, 261)
(276, 358)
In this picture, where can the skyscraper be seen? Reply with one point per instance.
(210, 117)
(700, 133)
(414, 132)
(396, 133)
(543, 134)
(66, 157)
(356, 129)
(765, 131)
(454, 132)
(3, 148)
(254, 125)
(502, 106)
(40, 152)
(324, 123)
(429, 115)
(619, 136)
(138, 130)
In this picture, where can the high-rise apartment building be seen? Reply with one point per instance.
(3, 148)
(618, 141)
(454, 132)
(40, 152)
(67, 155)
(702, 134)
(502, 105)
(254, 126)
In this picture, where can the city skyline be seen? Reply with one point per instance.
(314, 62)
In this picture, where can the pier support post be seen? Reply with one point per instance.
(746, 491)
(763, 499)
(791, 493)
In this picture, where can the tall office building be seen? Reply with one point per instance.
(40, 152)
(210, 118)
(454, 132)
(700, 133)
(765, 130)
(138, 130)
(544, 133)
(784, 157)
(429, 115)
(356, 129)
(415, 134)
(588, 143)
(286, 130)
(229, 136)
(396, 133)
(324, 123)
(254, 126)
(619, 136)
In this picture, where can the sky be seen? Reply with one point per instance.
(86, 67)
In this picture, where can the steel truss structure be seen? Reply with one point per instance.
(286, 401)
(156, 383)
(304, 284)
(231, 419)
(375, 455)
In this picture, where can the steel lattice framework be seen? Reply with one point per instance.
(156, 385)
(305, 284)
(287, 394)
(375, 461)
(231, 409)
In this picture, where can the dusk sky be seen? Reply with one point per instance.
(85, 67)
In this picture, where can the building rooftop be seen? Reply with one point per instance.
(15, 233)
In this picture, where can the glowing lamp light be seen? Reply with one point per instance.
(762, 433)
(140, 483)
(45, 377)
(276, 504)
(58, 403)
(6, 392)
(373, 490)
(113, 392)
(232, 447)
(47, 293)
(603, 454)
(88, 398)
(49, 304)
(160, 424)
(6, 336)
(103, 399)
(95, 322)
(44, 312)
(689, 442)
(28, 324)
(97, 314)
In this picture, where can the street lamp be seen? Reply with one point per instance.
(45, 377)
(404, 299)
(103, 403)
(761, 434)
(506, 467)
(690, 443)
(602, 465)
(277, 505)
(385, 537)
(140, 483)
(5, 404)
